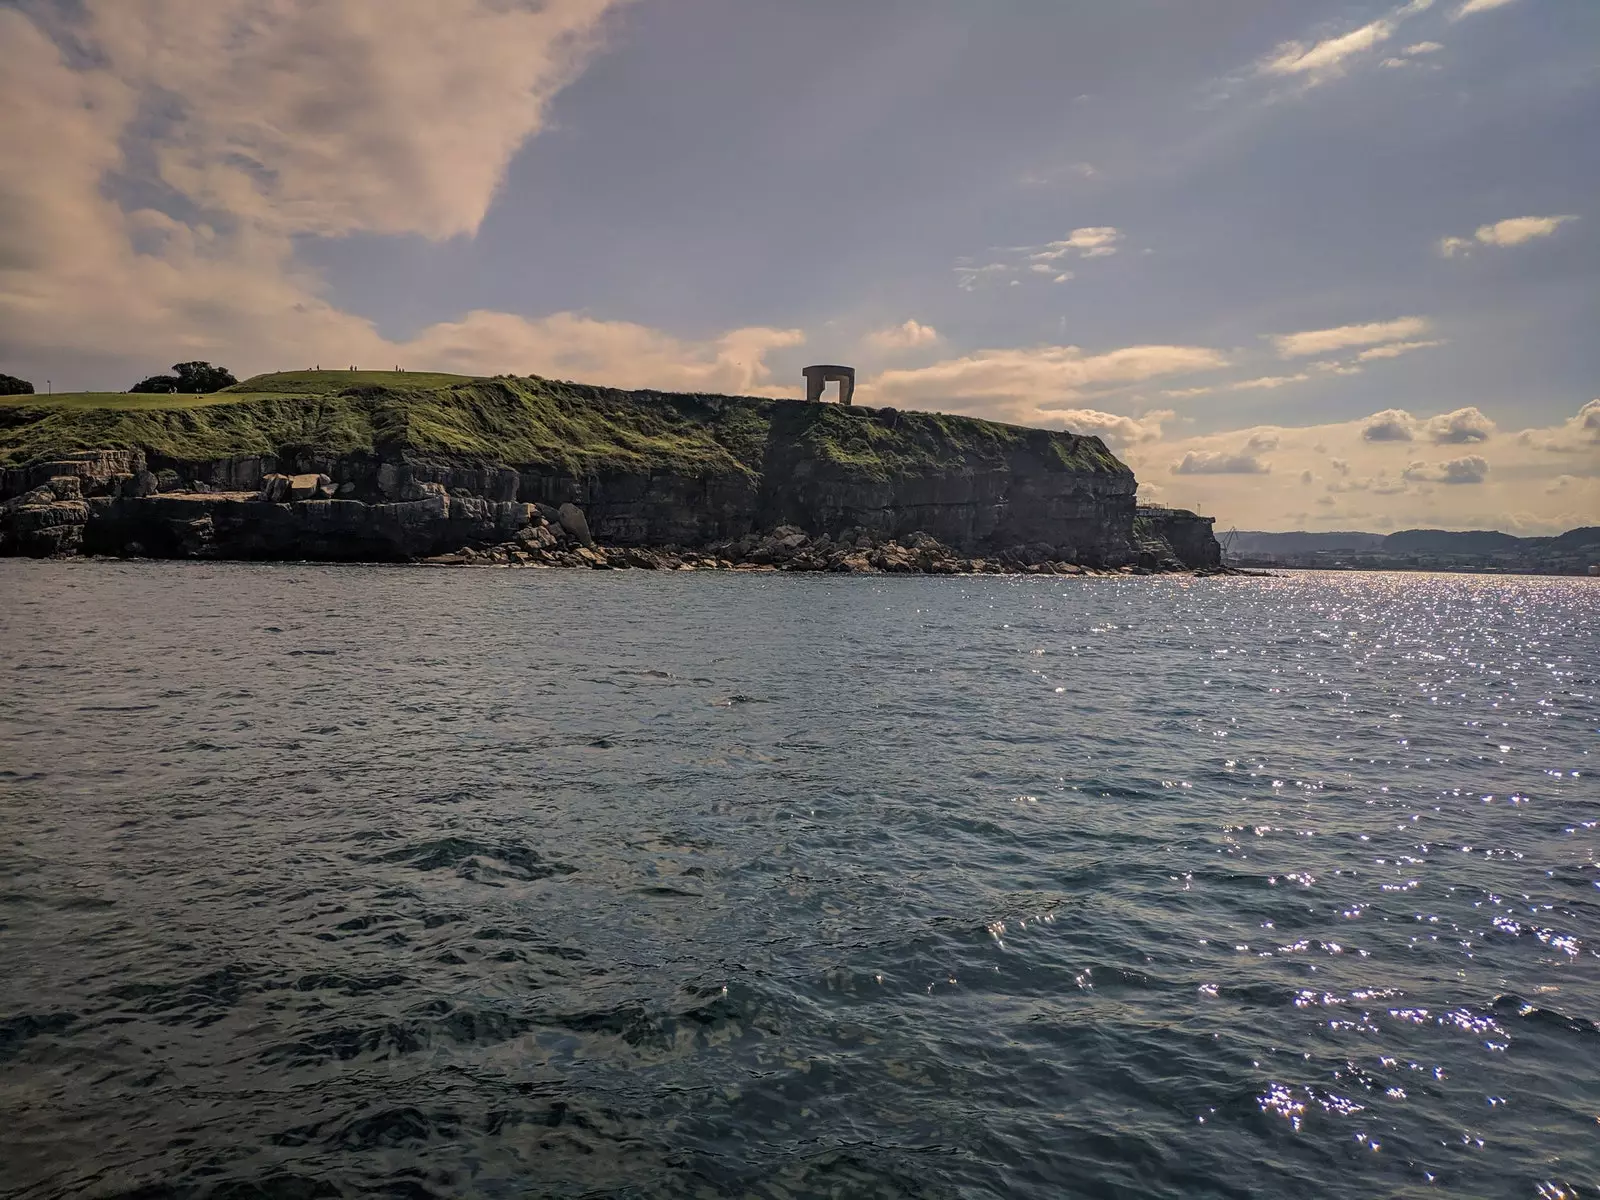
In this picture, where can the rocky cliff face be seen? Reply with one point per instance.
(645, 469)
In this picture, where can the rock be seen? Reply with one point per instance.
(167, 480)
(347, 488)
(303, 487)
(536, 537)
(575, 523)
(66, 487)
(326, 488)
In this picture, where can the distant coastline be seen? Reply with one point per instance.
(1576, 552)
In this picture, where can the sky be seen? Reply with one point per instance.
(1303, 266)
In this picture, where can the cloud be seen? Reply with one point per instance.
(1324, 341)
(1500, 483)
(1117, 431)
(969, 278)
(1095, 241)
(329, 118)
(1578, 435)
(1409, 56)
(1395, 350)
(1032, 383)
(616, 353)
(1474, 468)
(1090, 241)
(1217, 462)
(1268, 382)
(1316, 62)
(906, 336)
(243, 125)
(1477, 6)
(279, 120)
(1513, 231)
(1391, 425)
(1459, 427)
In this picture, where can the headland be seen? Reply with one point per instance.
(401, 466)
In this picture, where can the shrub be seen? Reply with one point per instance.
(190, 378)
(10, 385)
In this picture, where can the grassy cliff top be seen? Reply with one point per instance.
(522, 421)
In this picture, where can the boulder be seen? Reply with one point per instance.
(575, 523)
(304, 487)
(274, 488)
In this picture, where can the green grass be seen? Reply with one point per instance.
(569, 427)
(122, 401)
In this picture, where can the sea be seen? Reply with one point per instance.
(372, 881)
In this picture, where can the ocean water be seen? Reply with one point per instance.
(363, 881)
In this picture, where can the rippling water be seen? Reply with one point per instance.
(343, 881)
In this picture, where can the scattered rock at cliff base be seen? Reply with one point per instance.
(575, 523)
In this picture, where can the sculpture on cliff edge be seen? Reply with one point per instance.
(818, 377)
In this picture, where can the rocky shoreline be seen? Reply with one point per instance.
(787, 548)
(119, 503)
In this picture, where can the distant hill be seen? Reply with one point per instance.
(1301, 543)
(1444, 541)
(1573, 552)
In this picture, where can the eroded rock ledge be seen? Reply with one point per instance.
(116, 502)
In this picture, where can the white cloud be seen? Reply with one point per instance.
(1031, 384)
(1324, 341)
(1502, 483)
(1463, 425)
(397, 116)
(1516, 230)
(1411, 54)
(1395, 350)
(1477, 6)
(969, 278)
(1391, 425)
(1316, 62)
(1090, 241)
(1474, 468)
(1578, 435)
(1513, 231)
(615, 353)
(1218, 462)
(1117, 431)
(1268, 382)
(908, 335)
(1095, 241)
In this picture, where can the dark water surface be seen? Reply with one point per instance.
(353, 881)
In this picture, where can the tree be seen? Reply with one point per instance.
(191, 378)
(10, 385)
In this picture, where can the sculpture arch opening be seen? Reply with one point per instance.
(818, 378)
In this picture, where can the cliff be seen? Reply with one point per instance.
(401, 466)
